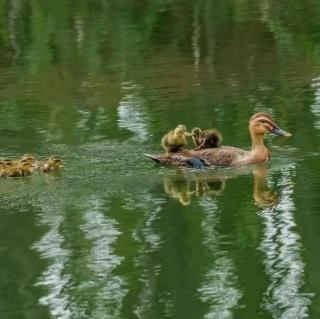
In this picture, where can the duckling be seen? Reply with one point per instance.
(22, 169)
(28, 157)
(175, 141)
(206, 138)
(53, 164)
(26, 168)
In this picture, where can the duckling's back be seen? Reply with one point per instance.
(209, 139)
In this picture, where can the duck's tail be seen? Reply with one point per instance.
(155, 158)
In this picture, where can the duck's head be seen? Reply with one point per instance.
(262, 123)
(196, 132)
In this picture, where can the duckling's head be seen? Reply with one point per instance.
(52, 157)
(8, 162)
(262, 123)
(26, 168)
(55, 163)
(28, 157)
(180, 129)
(26, 164)
(196, 132)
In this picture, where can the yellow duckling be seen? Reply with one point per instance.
(28, 157)
(206, 138)
(53, 164)
(175, 141)
(23, 168)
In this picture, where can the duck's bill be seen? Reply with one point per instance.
(188, 134)
(279, 131)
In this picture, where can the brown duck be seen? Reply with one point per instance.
(259, 125)
(205, 138)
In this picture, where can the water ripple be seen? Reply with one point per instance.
(54, 277)
(219, 288)
(315, 107)
(131, 114)
(102, 232)
(284, 298)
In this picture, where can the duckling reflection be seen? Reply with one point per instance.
(178, 189)
(184, 186)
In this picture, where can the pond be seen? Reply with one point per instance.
(115, 236)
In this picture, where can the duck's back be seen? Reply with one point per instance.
(210, 157)
(221, 156)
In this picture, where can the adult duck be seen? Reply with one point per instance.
(260, 124)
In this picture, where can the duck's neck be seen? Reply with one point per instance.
(258, 148)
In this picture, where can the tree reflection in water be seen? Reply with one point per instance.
(281, 244)
(220, 283)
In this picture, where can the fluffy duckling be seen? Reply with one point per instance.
(23, 168)
(175, 141)
(28, 157)
(53, 164)
(206, 138)
(8, 163)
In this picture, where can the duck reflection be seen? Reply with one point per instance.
(263, 196)
(183, 185)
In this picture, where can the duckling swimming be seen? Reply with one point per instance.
(53, 164)
(23, 168)
(175, 141)
(206, 138)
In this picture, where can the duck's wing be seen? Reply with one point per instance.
(221, 156)
(210, 157)
(227, 156)
(182, 159)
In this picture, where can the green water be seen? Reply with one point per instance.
(115, 236)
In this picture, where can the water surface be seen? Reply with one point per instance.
(115, 236)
